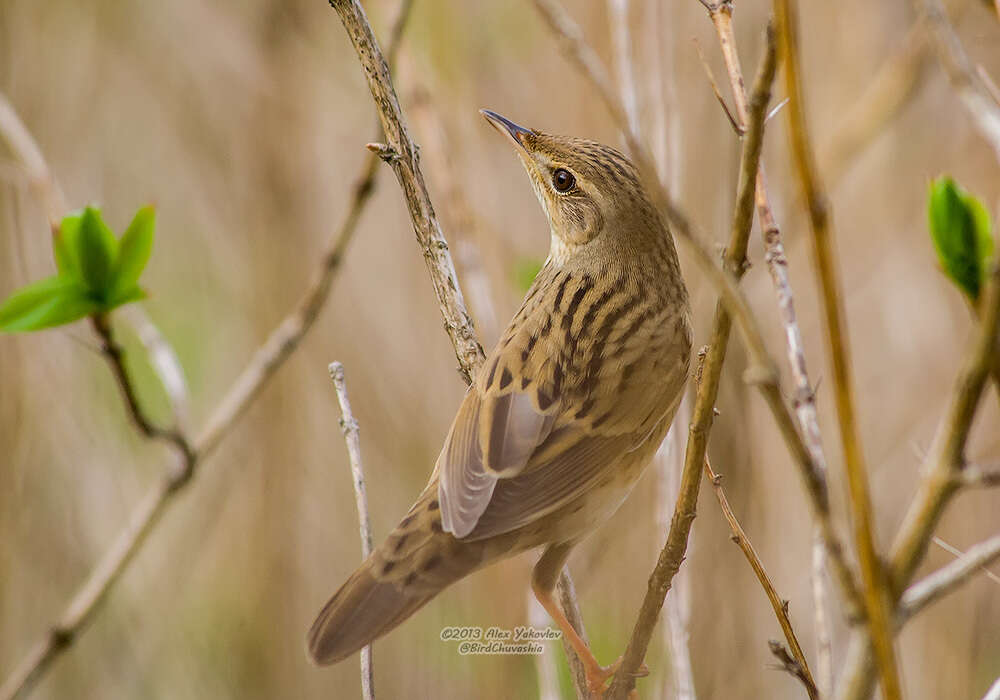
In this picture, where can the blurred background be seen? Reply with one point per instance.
(245, 123)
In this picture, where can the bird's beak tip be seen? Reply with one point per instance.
(506, 127)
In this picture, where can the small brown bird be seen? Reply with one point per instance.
(563, 416)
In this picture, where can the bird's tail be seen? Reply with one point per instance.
(415, 563)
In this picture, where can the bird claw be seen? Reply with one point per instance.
(597, 676)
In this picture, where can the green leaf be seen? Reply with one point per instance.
(64, 246)
(960, 229)
(126, 296)
(97, 250)
(525, 271)
(50, 302)
(133, 252)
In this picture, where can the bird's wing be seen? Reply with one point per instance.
(492, 438)
(515, 452)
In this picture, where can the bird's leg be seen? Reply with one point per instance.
(543, 583)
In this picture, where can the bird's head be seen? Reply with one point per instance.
(590, 192)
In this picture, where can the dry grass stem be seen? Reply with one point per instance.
(946, 579)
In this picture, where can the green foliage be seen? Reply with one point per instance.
(524, 273)
(96, 273)
(961, 230)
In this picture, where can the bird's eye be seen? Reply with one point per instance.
(563, 180)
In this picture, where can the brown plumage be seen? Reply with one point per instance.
(563, 416)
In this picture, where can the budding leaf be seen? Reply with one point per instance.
(133, 252)
(46, 303)
(64, 246)
(97, 250)
(960, 228)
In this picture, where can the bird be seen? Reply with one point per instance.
(562, 417)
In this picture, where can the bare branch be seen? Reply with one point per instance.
(707, 389)
(352, 437)
(779, 605)
(872, 574)
(571, 607)
(948, 578)
(791, 665)
(406, 166)
(622, 41)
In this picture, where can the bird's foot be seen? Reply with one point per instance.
(598, 675)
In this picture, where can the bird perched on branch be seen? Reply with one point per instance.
(563, 416)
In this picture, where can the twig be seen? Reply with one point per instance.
(677, 608)
(958, 552)
(977, 476)
(571, 607)
(707, 389)
(805, 404)
(116, 360)
(872, 575)
(779, 605)
(352, 437)
(791, 665)
(948, 578)
(973, 93)
(144, 518)
(406, 166)
(941, 467)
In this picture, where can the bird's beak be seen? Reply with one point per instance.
(508, 128)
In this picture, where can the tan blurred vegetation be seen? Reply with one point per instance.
(245, 123)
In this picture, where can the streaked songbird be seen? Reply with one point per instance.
(563, 416)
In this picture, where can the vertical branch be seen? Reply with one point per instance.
(875, 585)
(678, 606)
(352, 436)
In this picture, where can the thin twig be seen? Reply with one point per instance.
(707, 389)
(958, 552)
(352, 437)
(262, 366)
(946, 579)
(571, 607)
(805, 404)
(677, 608)
(779, 605)
(791, 665)
(872, 574)
(405, 164)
